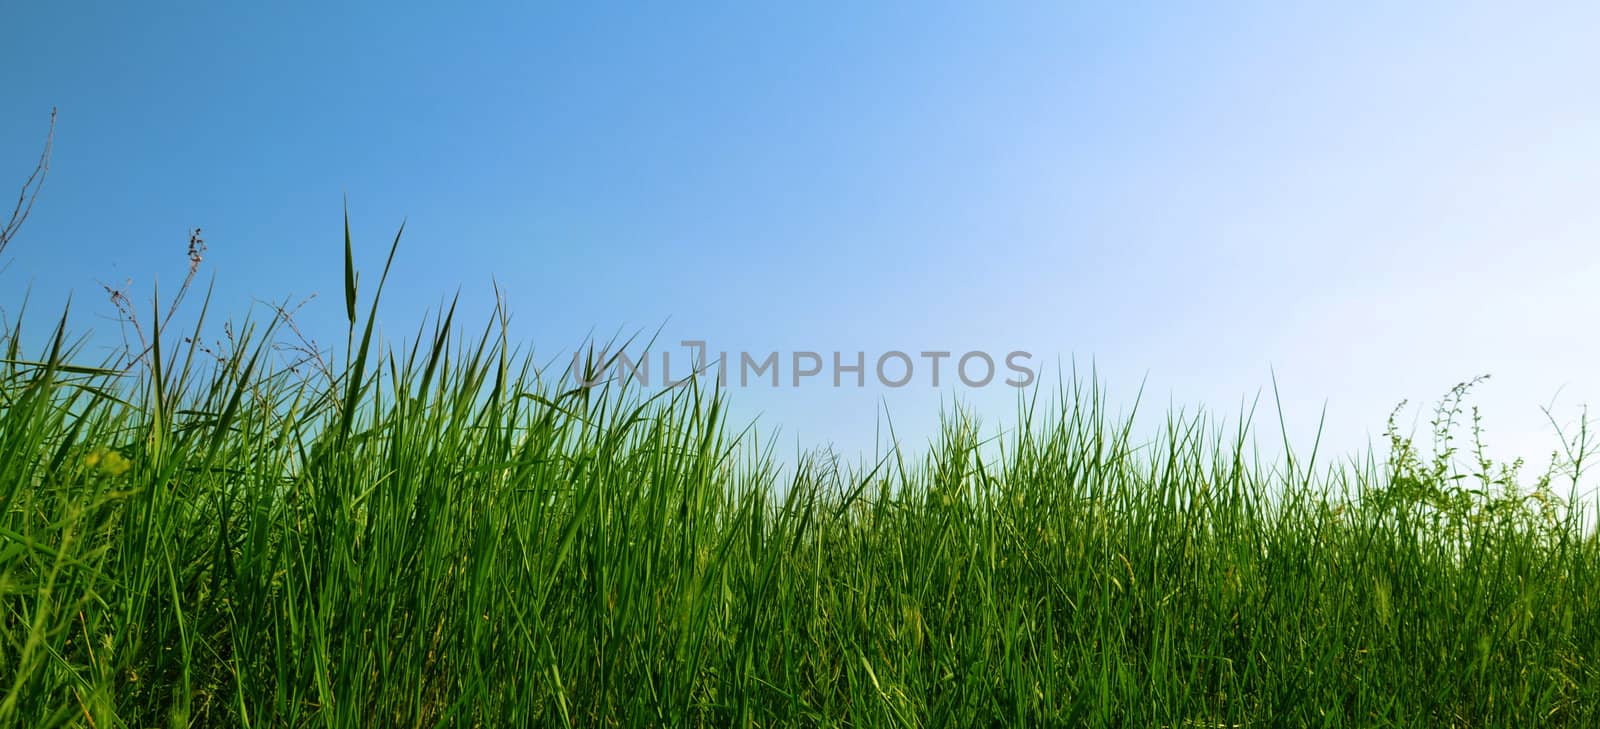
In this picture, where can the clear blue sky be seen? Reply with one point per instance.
(1376, 202)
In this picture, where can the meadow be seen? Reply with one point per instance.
(430, 531)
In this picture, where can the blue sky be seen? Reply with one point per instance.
(1374, 202)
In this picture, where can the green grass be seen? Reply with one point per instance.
(435, 534)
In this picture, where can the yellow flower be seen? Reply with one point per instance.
(108, 462)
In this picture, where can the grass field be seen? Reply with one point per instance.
(428, 532)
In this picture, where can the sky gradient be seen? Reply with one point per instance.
(1372, 202)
